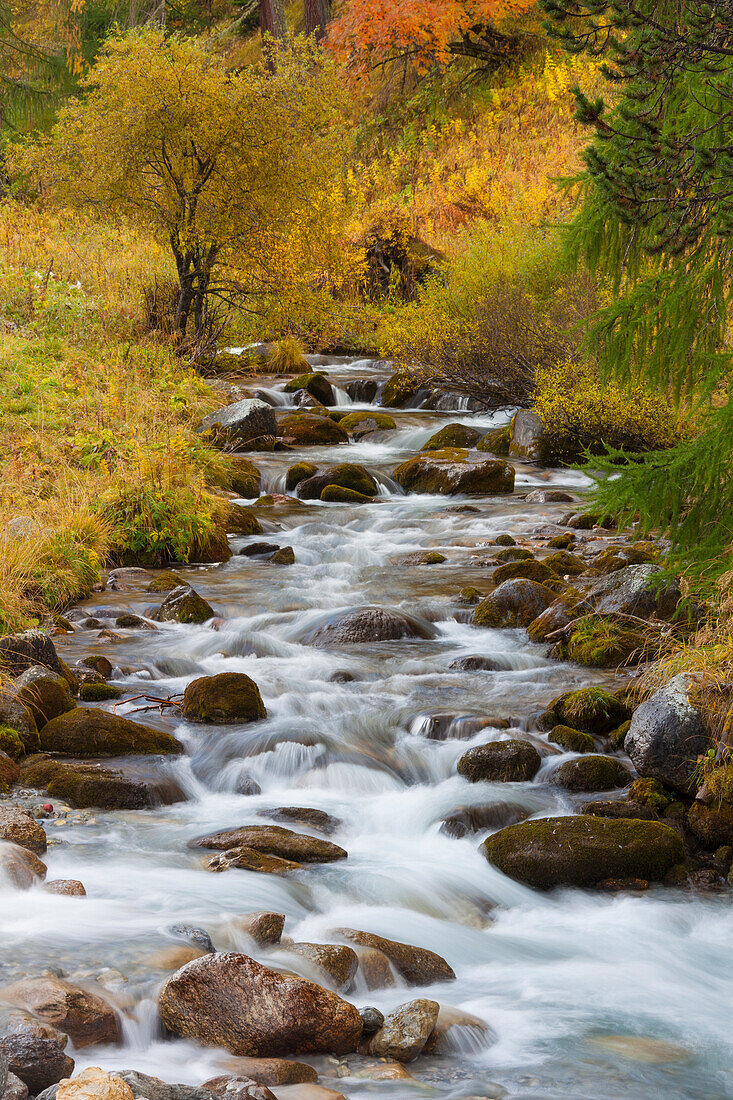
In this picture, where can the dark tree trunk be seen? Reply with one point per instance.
(317, 17)
(272, 18)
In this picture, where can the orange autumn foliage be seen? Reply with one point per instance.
(369, 32)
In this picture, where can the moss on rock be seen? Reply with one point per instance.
(245, 479)
(337, 494)
(452, 435)
(314, 383)
(399, 389)
(183, 605)
(591, 709)
(591, 773)
(165, 582)
(513, 603)
(383, 421)
(347, 475)
(512, 761)
(297, 473)
(529, 569)
(497, 441)
(10, 743)
(98, 693)
(312, 431)
(597, 642)
(583, 850)
(440, 472)
(242, 521)
(219, 700)
(572, 740)
(87, 731)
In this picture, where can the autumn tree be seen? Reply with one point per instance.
(373, 32)
(272, 18)
(232, 169)
(317, 17)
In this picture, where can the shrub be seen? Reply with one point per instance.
(581, 414)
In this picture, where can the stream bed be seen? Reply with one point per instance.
(587, 995)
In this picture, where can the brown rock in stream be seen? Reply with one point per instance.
(84, 1016)
(89, 731)
(417, 965)
(405, 1031)
(249, 859)
(19, 866)
(37, 1060)
(272, 840)
(339, 963)
(232, 1001)
(20, 827)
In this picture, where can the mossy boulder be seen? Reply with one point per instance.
(368, 624)
(452, 435)
(513, 761)
(572, 740)
(527, 436)
(10, 743)
(368, 420)
(591, 709)
(241, 521)
(711, 823)
(284, 556)
(651, 793)
(437, 474)
(84, 785)
(400, 388)
(101, 664)
(336, 494)
(236, 425)
(514, 553)
(602, 643)
(18, 723)
(513, 603)
(591, 773)
(638, 590)
(87, 731)
(183, 605)
(315, 383)
(562, 542)
(245, 479)
(423, 557)
(98, 693)
(165, 582)
(9, 770)
(563, 562)
(496, 441)
(530, 570)
(45, 694)
(219, 700)
(312, 431)
(299, 472)
(347, 475)
(557, 616)
(19, 652)
(584, 850)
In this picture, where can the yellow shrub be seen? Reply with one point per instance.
(580, 413)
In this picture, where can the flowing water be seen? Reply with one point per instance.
(556, 976)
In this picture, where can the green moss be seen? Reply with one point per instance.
(572, 740)
(505, 540)
(618, 736)
(164, 582)
(244, 478)
(562, 542)
(591, 773)
(351, 421)
(284, 556)
(452, 435)
(651, 793)
(315, 383)
(299, 472)
(98, 693)
(514, 553)
(497, 441)
(470, 595)
(590, 709)
(338, 494)
(242, 521)
(10, 742)
(529, 570)
(309, 430)
(563, 562)
(399, 388)
(601, 643)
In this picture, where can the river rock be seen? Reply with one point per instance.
(98, 662)
(440, 1041)
(476, 663)
(266, 1071)
(362, 390)
(666, 736)
(227, 697)
(711, 823)
(265, 928)
(145, 1087)
(9, 771)
(19, 866)
(239, 423)
(583, 850)
(591, 773)
(513, 761)
(311, 431)
(513, 603)
(623, 807)
(244, 478)
(241, 521)
(38, 1061)
(86, 785)
(15, 1089)
(20, 827)
(89, 731)
(365, 421)
(183, 605)
(18, 731)
(339, 963)
(45, 694)
(83, 1016)
(572, 740)
(527, 436)
(417, 965)
(368, 624)
(316, 384)
(306, 1091)
(405, 1031)
(66, 887)
(3, 1073)
(429, 474)
(635, 590)
(272, 840)
(232, 1001)
(94, 1084)
(304, 815)
(452, 435)
(467, 820)
(590, 710)
(244, 858)
(19, 652)
(348, 475)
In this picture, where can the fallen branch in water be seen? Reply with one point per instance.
(155, 702)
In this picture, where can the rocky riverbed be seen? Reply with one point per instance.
(339, 815)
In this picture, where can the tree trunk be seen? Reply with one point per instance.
(317, 17)
(272, 18)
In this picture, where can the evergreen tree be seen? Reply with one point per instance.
(657, 221)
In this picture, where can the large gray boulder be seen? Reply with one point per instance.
(635, 590)
(666, 736)
(368, 624)
(239, 423)
(526, 436)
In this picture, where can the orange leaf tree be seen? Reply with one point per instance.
(371, 32)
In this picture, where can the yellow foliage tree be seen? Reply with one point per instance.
(233, 169)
